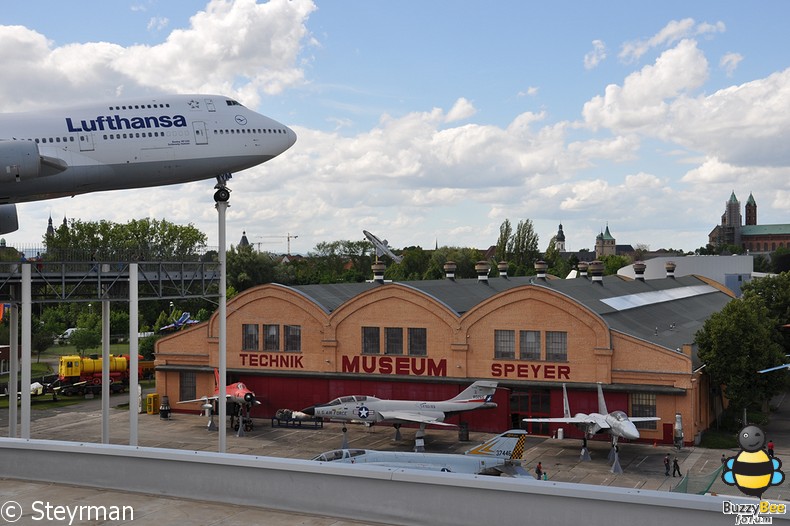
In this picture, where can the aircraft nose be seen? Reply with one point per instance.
(291, 137)
(630, 431)
(309, 410)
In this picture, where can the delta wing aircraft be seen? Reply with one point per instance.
(134, 143)
(238, 394)
(370, 410)
(500, 455)
(617, 423)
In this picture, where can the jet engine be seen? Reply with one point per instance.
(8, 219)
(19, 160)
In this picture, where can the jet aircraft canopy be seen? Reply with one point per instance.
(339, 454)
(355, 398)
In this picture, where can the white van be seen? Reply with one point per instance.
(64, 338)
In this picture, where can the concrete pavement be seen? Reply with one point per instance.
(642, 463)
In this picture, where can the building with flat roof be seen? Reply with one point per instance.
(428, 340)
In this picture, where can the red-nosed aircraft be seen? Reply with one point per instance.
(238, 394)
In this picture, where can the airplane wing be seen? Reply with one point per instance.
(643, 418)
(589, 419)
(512, 470)
(785, 366)
(412, 417)
(204, 399)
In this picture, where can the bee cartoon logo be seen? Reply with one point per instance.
(752, 470)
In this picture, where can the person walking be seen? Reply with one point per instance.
(539, 471)
(666, 465)
(770, 447)
(676, 467)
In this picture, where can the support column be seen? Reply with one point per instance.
(105, 371)
(13, 372)
(222, 207)
(27, 307)
(134, 347)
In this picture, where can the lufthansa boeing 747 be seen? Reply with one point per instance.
(130, 144)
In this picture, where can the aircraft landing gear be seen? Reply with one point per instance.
(585, 454)
(223, 192)
(397, 432)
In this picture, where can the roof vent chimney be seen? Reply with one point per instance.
(482, 268)
(540, 268)
(596, 271)
(670, 267)
(502, 266)
(582, 266)
(639, 270)
(449, 270)
(378, 272)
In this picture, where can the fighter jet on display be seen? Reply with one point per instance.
(500, 455)
(36, 389)
(382, 247)
(617, 423)
(132, 143)
(370, 410)
(238, 394)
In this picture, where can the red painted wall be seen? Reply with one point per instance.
(297, 393)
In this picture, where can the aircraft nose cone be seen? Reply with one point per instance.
(309, 410)
(291, 137)
(631, 432)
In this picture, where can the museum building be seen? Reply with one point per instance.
(428, 340)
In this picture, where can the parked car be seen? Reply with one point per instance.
(64, 338)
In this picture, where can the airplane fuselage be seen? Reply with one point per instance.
(132, 144)
(371, 410)
(407, 460)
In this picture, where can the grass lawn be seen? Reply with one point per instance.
(57, 351)
(717, 439)
(44, 402)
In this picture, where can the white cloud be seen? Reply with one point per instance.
(157, 23)
(241, 48)
(530, 92)
(642, 100)
(462, 109)
(673, 32)
(729, 62)
(596, 56)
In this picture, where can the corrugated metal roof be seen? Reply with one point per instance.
(670, 323)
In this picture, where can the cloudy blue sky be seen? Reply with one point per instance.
(434, 121)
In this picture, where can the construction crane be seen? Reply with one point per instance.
(287, 237)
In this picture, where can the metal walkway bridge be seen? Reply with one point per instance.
(85, 281)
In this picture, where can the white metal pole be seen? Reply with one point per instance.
(222, 207)
(134, 346)
(26, 339)
(13, 373)
(105, 371)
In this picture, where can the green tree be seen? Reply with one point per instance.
(465, 260)
(774, 293)
(413, 266)
(523, 247)
(734, 344)
(144, 239)
(612, 263)
(247, 268)
(85, 339)
(780, 260)
(558, 266)
(505, 234)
